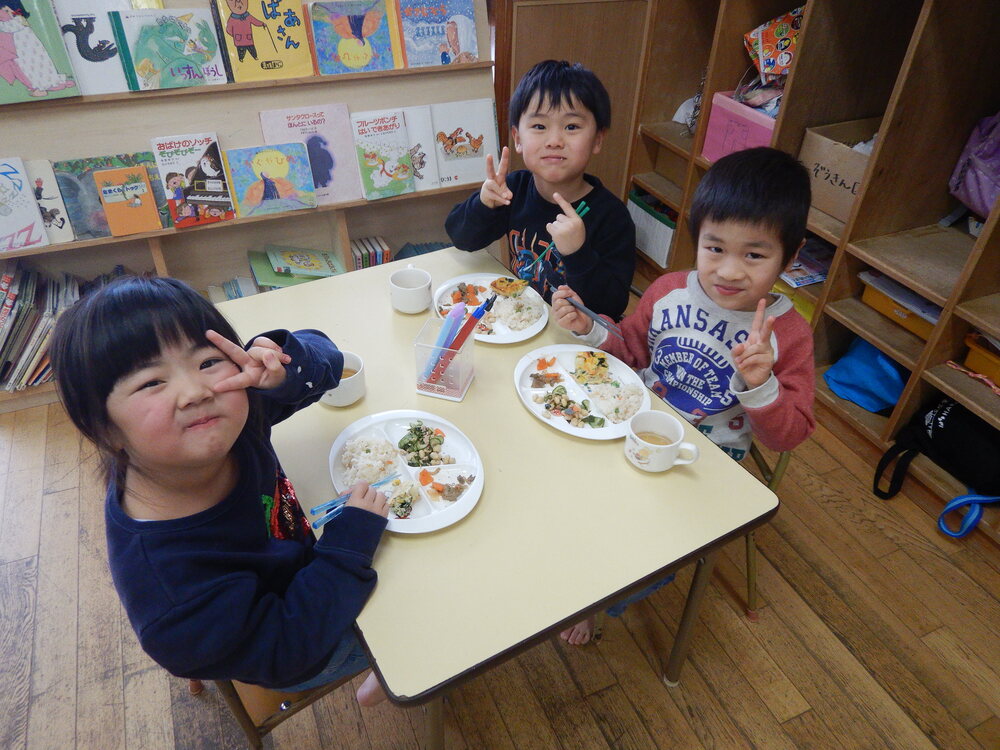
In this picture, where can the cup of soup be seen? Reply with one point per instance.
(352, 383)
(655, 442)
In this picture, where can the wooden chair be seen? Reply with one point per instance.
(772, 475)
(259, 710)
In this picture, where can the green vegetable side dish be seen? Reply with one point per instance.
(422, 446)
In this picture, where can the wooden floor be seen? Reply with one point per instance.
(875, 631)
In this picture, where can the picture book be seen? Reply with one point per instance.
(193, 179)
(326, 131)
(33, 60)
(20, 219)
(263, 41)
(266, 277)
(464, 132)
(303, 261)
(269, 179)
(420, 135)
(79, 191)
(383, 153)
(127, 198)
(89, 40)
(168, 49)
(438, 33)
(354, 36)
(50, 202)
(811, 265)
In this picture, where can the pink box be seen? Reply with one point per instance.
(733, 127)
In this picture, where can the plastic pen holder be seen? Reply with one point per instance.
(456, 377)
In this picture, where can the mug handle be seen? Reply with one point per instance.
(692, 454)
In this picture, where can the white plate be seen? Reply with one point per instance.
(501, 333)
(428, 514)
(565, 355)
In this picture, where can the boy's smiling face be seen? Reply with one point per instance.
(738, 263)
(556, 143)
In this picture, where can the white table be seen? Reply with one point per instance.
(452, 603)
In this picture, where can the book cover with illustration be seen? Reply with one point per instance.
(127, 198)
(55, 217)
(79, 191)
(264, 41)
(89, 41)
(20, 219)
(438, 33)
(265, 276)
(464, 132)
(303, 261)
(168, 49)
(383, 152)
(326, 132)
(269, 179)
(33, 60)
(354, 36)
(193, 179)
(420, 137)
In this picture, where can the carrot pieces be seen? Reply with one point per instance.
(425, 478)
(437, 487)
(544, 364)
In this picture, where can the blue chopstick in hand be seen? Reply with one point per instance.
(609, 327)
(581, 211)
(336, 505)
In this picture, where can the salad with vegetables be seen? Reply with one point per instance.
(558, 403)
(421, 446)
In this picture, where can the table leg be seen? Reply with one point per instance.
(434, 724)
(702, 574)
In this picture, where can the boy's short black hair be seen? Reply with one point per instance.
(116, 330)
(559, 82)
(761, 186)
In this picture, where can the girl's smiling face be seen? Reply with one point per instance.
(167, 416)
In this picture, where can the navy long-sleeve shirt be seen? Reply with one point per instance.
(600, 271)
(242, 590)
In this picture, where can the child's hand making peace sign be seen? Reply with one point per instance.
(754, 357)
(262, 366)
(494, 191)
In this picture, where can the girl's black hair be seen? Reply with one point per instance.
(762, 186)
(116, 330)
(559, 82)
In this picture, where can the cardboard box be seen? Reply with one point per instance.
(835, 169)
(733, 127)
(654, 231)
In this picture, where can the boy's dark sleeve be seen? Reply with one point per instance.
(315, 368)
(473, 226)
(601, 270)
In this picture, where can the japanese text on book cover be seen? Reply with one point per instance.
(264, 41)
(383, 151)
(438, 32)
(193, 178)
(353, 36)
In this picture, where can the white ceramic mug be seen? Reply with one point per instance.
(654, 442)
(410, 289)
(352, 384)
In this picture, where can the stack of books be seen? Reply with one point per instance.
(370, 251)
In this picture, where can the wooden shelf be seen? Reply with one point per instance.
(229, 88)
(660, 187)
(825, 226)
(871, 425)
(672, 135)
(970, 393)
(892, 339)
(810, 292)
(983, 313)
(928, 260)
(34, 396)
(174, 232)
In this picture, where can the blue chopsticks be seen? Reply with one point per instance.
(337, 504)
(581, 211)
(610, 328)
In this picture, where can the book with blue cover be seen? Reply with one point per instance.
(354, 36)
(442, 32)
(269, 179)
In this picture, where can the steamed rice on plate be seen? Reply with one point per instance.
(367, 459)
(517, 313)
(617, 403)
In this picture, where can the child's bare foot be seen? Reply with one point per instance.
(370, 693)
(581, 633)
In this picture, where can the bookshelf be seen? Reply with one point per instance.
(210, 254)
(942, 46)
